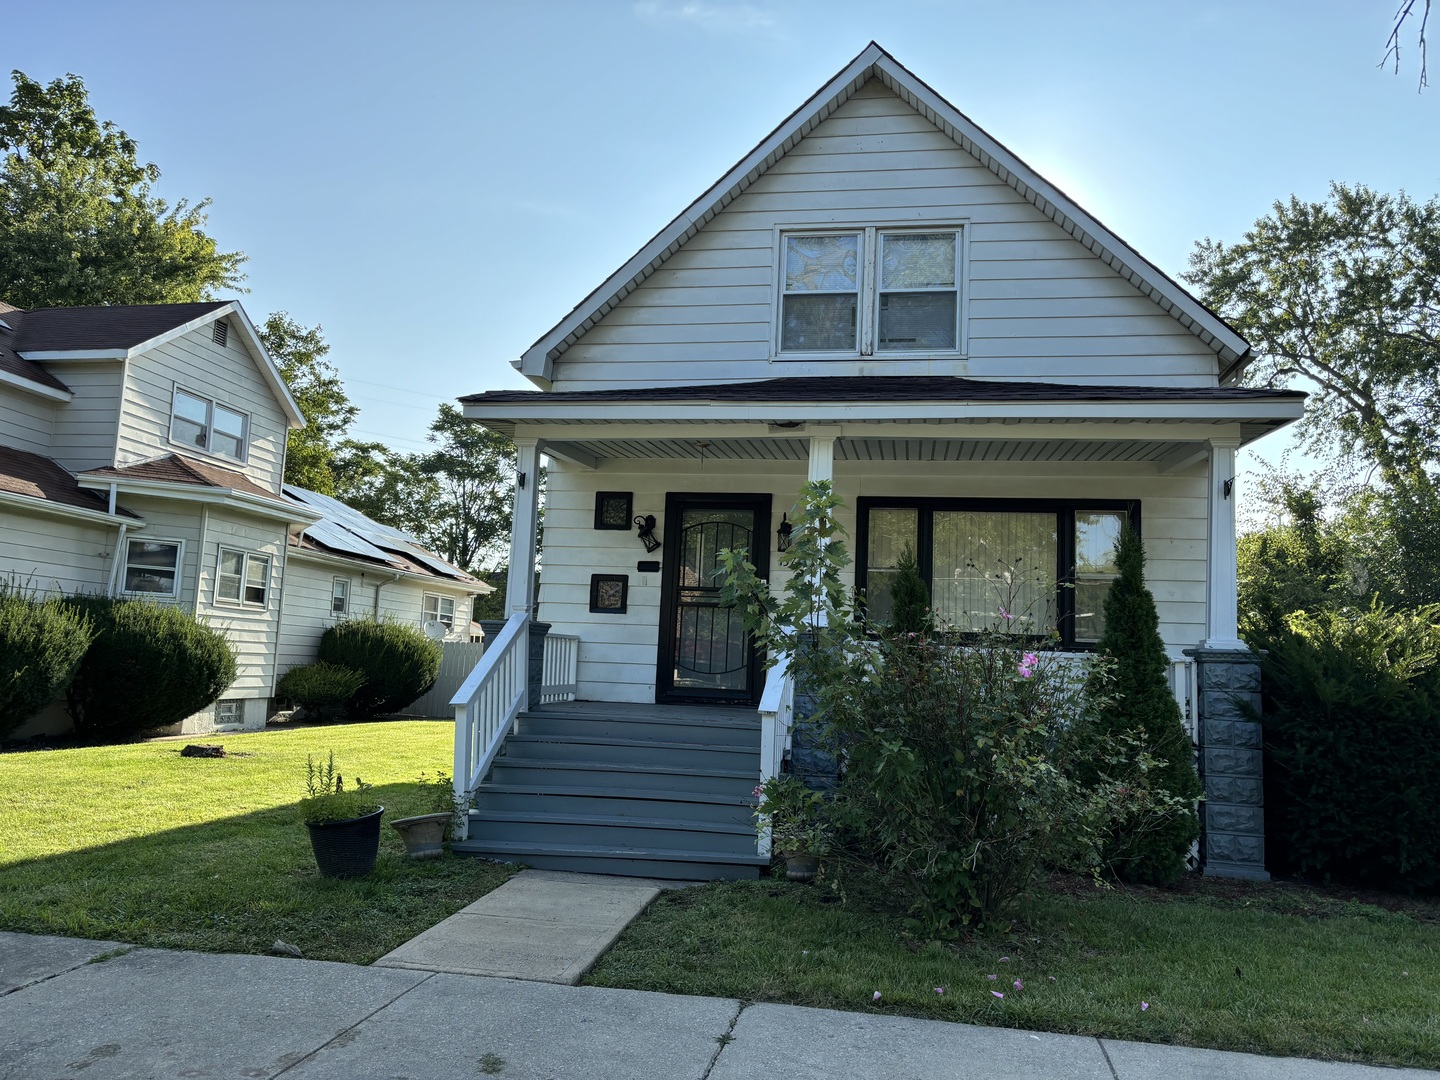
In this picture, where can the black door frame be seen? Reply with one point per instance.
(676, 502)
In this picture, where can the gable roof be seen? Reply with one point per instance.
(875, 63)
(15, 369)
(122, 331)
(176, 469)
(39, 477)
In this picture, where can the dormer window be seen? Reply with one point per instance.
(866, 291)
(200, 423)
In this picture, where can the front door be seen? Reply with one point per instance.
(705, 654)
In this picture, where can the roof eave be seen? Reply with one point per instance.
(221, 496)
(30, 386)
(50, 506)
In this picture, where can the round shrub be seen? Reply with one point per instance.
(319, 688)
(41, 644)
(399, 662)
(149, 666)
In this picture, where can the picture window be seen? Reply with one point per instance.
(153, 567)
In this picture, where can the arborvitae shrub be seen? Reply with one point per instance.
(1142, 702)
(149, 666)
(41, 644)
(319, 688)
(910, 598)
(399, 662)
(1352, 747)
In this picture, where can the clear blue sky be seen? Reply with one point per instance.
(437, 183)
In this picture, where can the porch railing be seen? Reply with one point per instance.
(777, 713)
(486, 706)
(559, 679)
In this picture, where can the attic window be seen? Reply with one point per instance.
(200, 423)
(220, 332)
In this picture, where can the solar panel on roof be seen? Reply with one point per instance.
(340, 539)
(346, 529)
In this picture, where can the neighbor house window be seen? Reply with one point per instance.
(440, 609)
(1025, 568)
(340, 596)
(199, 422)
(871, 290)
(243, 577)
(229, 711)
(153, 567)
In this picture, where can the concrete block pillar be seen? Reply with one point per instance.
(1232, 842)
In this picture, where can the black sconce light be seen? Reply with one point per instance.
(783, 534)
(646, 524)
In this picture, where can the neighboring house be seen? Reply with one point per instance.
(141, 454)
(883, 296)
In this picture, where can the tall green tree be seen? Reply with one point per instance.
(78, 222)
(473, 470)
(300, 353)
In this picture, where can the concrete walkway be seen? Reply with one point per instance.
(541, 925)
(157, 1014)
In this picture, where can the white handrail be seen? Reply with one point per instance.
(777, 714)
(486, 705)
(560, 678)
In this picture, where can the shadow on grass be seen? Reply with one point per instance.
(238, 884)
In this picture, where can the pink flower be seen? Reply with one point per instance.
(1025, 672)
(1019, 985)
(1030, 659)
(1005, 614)
(997, 994)
(875, 996)
(939, 989)
(759, 790)
(1144, 1005)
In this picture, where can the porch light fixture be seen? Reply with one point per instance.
(646, 525)
(783, 534)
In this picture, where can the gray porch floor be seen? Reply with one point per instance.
(605, 710)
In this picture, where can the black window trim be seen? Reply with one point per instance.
(1064, 509)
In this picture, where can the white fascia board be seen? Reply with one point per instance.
(45, 506)
(75, 354)
(228, 497)
(32, 387)
(363, 566)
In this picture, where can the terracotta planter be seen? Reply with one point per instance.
(423, 835)
(801, 867)
(346, 848)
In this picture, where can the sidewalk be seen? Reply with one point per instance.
(157, 1014)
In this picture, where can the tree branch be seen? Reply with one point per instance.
(1392, 43)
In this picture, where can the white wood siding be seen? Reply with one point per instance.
(85, 426)
(227, 375)
(618, 652)
(170, 519)
(1041, 306)
(26, 421)
(252, 630)
(54, 554)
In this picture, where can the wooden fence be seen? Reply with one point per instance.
(459, 660)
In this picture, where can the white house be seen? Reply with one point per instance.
(882, 295)
(141, 453)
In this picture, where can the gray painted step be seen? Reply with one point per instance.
(676, 727)
(593, 830)
(515, 769)
(690, 806)
(673, 865)
(692, 755)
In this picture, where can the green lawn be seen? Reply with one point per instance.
(140, 845)
(1318, 975)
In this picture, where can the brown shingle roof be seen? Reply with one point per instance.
(820, 389)
(121, 326)
(175, 469)
(14, 364)
(23, 473)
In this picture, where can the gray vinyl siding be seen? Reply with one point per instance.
(26, 421)
(171, 519)
(1040, 305)
(52, 553)
(85, 426)
(618, 652)
(252, 630)
(228, 375)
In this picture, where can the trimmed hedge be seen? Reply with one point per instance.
(398, 661)
(41, 644)
(319, 688)
(149, 666)
(1352, 747)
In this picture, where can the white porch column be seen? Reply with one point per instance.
(520, 586)
(822, 458)
(1222, 609)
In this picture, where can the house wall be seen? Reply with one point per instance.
(618, 652)
(85, 427)
(253, 631)
(53, 553)
(171, 519)
(229, 375)
(1041, 305)
(26, 421)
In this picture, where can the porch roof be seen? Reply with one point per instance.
(914, 418)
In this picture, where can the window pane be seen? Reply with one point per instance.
(151, 566)
(822, 263)
(228, 438)
(917, 320)
(153, 553)
(987, 565)
(892, 530)
(339, 596)
(229, 575)
(918, 261)
(1096, 534)
(191, 419)
(257, 576)
(818, 323)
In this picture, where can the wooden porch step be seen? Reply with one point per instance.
(732, 727)
(511, 768)
(688, 806)
(668, 864)
(568, 828)
(651, 751)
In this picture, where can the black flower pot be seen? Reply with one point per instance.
(346, 848)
